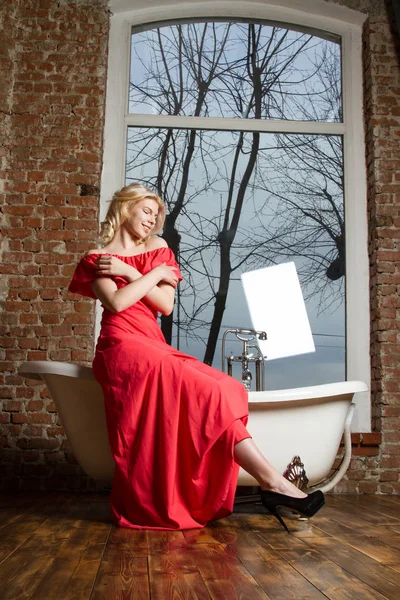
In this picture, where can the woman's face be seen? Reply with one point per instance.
(142, 219)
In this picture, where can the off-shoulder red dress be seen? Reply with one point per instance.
(172, 420)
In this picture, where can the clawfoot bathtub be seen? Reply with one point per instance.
(308, 422)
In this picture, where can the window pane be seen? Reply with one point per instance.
(240, 201)
(242, 70)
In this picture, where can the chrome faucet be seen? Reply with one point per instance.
(246, 336)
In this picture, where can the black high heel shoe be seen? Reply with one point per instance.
(307, 506)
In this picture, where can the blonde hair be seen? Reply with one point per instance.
(120, 207)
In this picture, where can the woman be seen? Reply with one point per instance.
(176, 426)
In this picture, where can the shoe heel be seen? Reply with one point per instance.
(274, 512)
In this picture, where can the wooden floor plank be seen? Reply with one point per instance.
(208, 535)
(164, 541)
(379, 577)
(65, 547)
(274, 575)
(83, 579)
(179, 586)
(395, 499)
(381, 499)
(224, 574)
(132, 541)
(350, 512)
(265, 523)
(121, 577)
(14, 511)
(86, 543)
(375, 504)
(21, 529)
(174, 574)
(352, 522)
(328, 577)
(391, 539)
(394, 529)
(21, 575)
(41, 540)
(371, 546)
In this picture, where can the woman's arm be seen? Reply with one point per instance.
(161, 297)
(117, 300)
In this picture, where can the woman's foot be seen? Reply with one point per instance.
(307, 506)
(281, 485)
(249, 457)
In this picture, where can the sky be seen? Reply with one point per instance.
(263, 216)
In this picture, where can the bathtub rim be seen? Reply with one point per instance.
(313, 392)
(34, 369)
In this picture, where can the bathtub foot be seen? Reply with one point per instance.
(296, 473)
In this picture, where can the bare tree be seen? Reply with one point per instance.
(189, 50)
(264, 70)
(247, 71)
(306, 192)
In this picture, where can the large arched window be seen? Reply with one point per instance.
(246, 127)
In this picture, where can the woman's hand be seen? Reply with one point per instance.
(111, 266)
(167, 274)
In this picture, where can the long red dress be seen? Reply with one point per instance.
(172, 421)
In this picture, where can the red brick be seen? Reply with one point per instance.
(365, 451)
(390, 449)
(34, 405)
(38, 443)
(356, 475)
(24, 392)
(371, 439)
(30, 455)
(389, 475)
(82, 356)
(61, 355)
(50, 319)
(56, 431)
(32, 418)
(12, 406)
(29, 319)
(368, 487)
(37, 355)
(28, 343)
(385, 488)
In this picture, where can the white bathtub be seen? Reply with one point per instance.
(308, 422)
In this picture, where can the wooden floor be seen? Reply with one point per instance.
(63, 547)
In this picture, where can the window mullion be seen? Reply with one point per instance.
(229, 124)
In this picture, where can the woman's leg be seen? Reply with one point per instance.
(249, 457)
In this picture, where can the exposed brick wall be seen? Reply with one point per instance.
(52, 88)
(375, 467)
(54, 75)
(382, 106)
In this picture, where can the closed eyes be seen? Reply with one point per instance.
(148, 211)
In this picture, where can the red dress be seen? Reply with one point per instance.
(172, 420)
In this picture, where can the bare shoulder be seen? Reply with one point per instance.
(156, 242)
(95, 251)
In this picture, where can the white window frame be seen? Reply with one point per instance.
(316, 14)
